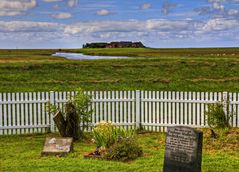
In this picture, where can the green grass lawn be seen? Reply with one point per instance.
(150, 69)
(22, 153)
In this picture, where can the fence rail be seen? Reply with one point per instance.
(22, 113)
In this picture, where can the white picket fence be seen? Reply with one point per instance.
(22, 113)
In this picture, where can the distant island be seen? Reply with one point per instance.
(121, 44)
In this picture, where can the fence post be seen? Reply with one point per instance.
(224, 101)
(137, 109)
(52, 102)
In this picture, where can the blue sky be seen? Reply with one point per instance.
(157, 23)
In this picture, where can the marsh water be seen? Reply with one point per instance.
(79, 56)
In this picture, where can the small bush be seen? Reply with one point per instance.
(124, 150)
(217, 117)
(106, 134)
(115, 143)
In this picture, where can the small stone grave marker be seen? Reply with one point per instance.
(58, 146)
(183, 150)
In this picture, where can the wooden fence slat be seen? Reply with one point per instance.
(165, 113)
(146, 109)
(39, 112)
(177, 108)
(181, 118)
(1, 115)
(194, 110)
(234, 111)
(150, 111)
(101, 107)
(238, 110)
(185, 109)
(35, 111)
(117, 107)
(173, 109)
(161, 111)
(142, 108)
(109, 118)
(26, 113)
(9, 113)
(154, 112)
(125, 108)
(202, 110)
(113, 107)
(105, 107)
(129, 113)
(5, 113)
(22, 113)
(158, 113)
(198, 109)
(30, 113)
(121, 108)
(43, 112)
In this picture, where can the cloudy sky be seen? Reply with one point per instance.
(157, 23)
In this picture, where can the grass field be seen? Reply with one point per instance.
(213, 69)
(22, 153)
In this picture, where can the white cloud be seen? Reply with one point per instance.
(146, 6)
(150, 31)
(232, 12)
(16, 7)
(103, 12)
(167, 7)
(220, 24)
(27, 26)
(217, 6)
(72, 3)
(62, 15)
(52, 0)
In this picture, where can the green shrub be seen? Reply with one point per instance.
(106, 134)
(217, 117)
(76, 111)
(124, 150)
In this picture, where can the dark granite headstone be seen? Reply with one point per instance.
(58, 146)
(183, 150)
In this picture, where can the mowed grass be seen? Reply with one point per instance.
(213, 69)
(23, 153)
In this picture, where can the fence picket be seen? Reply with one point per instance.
(165, 110)
(198, 109)
(13, 113)
(146, 109)
(190, 109)
(150, 111)
(117, 107)
(185, 109)
(161, 112)
(181, 110)
(35, 111)
(22, 113)
(177, 108)
(202, 110)
(142, 117)
(194, 109)
(234, 111)
(238, 110)
(154, 112)
(158, 113)
(26, 112)
(1, 115)
(113, 107)
(39, 111)
(30, 112)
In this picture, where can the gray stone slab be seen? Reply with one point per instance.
(183, 150)
(58, 146)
